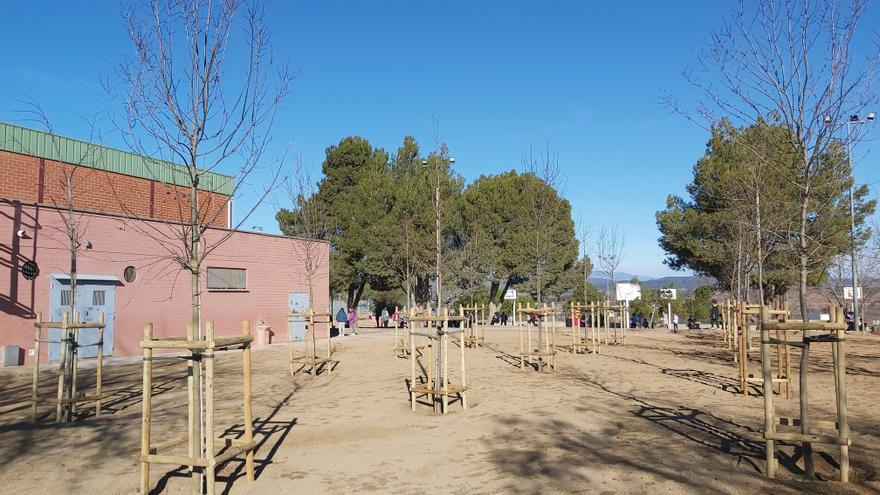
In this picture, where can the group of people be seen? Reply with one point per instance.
(670, 323)
(349, 319)
(499, 318)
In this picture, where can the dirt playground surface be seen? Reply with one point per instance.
(659, 415)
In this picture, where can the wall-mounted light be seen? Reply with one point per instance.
(21, 234)
(88, 244)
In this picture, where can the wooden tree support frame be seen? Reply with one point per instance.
(834, 333)
(585, 339)
(475, 319)
(744, 313)
(435, 383)
(309, 360)
(608, 333)
(206, 452)
(545, 351)
(401, 338)
(66, 395)
(729, 324)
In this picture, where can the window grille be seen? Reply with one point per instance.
(65, 297)
(98, 297)
(227, 278)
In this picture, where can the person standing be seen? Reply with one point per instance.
(341, 320)
(352, 320)
(675, 321)
(713, 314)
(385, 317)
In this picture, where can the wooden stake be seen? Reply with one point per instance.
(62, 368)
(99, 374)
(805, 413)
(769, 416)
(842, 421)
(249, 399)
(463, 382)
(38, 330)
(208, 359)
(444, 380)
(147, 410)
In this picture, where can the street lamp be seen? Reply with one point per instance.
(853, 120)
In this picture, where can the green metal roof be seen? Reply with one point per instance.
(17, 139)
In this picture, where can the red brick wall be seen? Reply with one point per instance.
(161, 292)
(32, 179)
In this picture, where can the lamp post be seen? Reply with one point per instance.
(853, 120)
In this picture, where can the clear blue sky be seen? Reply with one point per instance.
(583, 77)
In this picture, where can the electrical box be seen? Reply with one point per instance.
(11, 356)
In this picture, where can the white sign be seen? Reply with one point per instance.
(824, 317)
(848, 293)
(510, 295)
(668, 293)
(628, 292)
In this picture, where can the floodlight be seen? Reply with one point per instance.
(871, 116)
(827, 119)
(451, 159)
(853, 118)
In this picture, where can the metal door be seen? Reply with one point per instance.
(296, 326)
(93, 296)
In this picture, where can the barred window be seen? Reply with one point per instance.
(231, 279)
(65, 297)
(98, 297)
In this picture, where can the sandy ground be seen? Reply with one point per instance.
(659, 415)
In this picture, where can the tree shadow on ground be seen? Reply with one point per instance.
(118, 388)
(504, 356)
(269, 435)
(713, 380)
(559, 455)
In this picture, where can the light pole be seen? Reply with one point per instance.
(853, 120)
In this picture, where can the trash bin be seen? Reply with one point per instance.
(264, 334)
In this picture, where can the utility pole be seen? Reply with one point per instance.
(854, 272)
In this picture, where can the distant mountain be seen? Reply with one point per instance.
(685, 283)
(619, 276)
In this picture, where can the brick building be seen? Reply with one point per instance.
(126, 202)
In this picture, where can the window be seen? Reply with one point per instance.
(231, 279)
(65, 297)
(98, 297)
(130, 274)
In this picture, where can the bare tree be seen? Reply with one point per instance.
(307, 222)
(584, 231)
(70, 173)
(789, 63)
(185, 106)
(610, 242)
(541, 199)
(181, 110)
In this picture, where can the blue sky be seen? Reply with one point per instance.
(582, 77)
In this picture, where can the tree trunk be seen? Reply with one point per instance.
(758, 240)
(802, 256)
(493, 291)
(196, 411)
